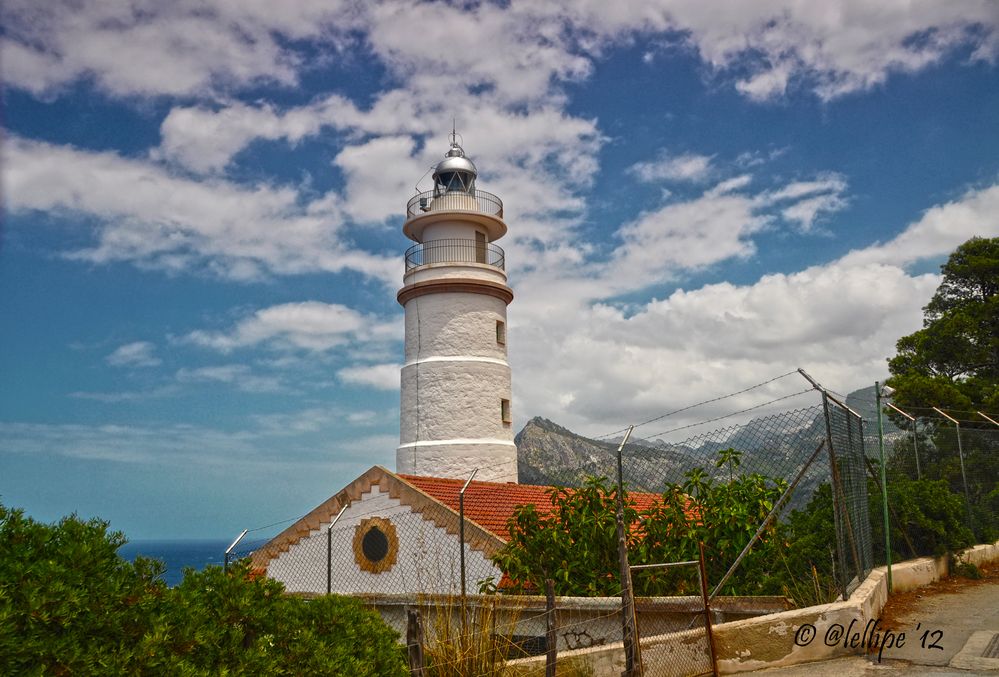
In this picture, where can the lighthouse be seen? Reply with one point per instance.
(455, 410)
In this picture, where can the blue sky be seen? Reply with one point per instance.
(203, 206)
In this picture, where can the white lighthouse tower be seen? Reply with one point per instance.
(455, 414)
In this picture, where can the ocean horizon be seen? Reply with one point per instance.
(182, 553)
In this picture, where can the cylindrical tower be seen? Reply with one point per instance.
(455, 413)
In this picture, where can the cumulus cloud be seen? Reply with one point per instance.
(940, 230)
(607, 365)
(136, 354)
(379, 175)
(152, 217)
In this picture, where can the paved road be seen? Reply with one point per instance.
(949, 612)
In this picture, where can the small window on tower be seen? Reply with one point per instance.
(501, 332)
(505, 411)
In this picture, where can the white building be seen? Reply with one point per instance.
(398, 534)
(455, 413)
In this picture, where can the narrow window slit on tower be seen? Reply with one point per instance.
(501, 332)
(505, 411)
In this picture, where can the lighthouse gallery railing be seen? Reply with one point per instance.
(455, 200)
(455, 251)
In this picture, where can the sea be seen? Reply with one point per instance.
(180, 554)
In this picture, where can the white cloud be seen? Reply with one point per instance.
(240, 376)
(833, 48)
(805, 202)
(939, 231)
(203, 448)
(686, 167)
(606, 366)
(157, 445)
(322, 418)
(126, 395)
(154, 218)
(136, 354)
(380, 175)
(150, 48)
(205, 139)
(380, 376)
(838, 322)
(686, 235)
(309, 325)
(519, 52)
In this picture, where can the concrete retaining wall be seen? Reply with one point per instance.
(785, 638)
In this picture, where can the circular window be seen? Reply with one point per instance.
(375, 545)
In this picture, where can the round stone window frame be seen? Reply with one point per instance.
(392, 554)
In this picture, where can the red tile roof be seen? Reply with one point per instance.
(491, 504)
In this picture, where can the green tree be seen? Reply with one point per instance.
(953, 361)
(575, 543)
(722, 514)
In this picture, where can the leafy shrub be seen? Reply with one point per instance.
(70, 606)
(68, 603)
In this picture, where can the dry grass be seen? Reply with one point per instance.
(473, 643)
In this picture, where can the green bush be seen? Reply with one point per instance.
(70, 606)
(933, 517)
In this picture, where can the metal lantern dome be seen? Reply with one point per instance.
(455, 173)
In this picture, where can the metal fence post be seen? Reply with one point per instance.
(551, 635)
(884, 483)
(414, 643)
(915, 446)
(461, 540)
(834, 490)
(629, 625)
(702, 574)
(960, 455)
(329, 548)
(228, 551)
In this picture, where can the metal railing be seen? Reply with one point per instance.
(455, 200)
(455, 251)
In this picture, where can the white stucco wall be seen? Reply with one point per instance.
(454, 379)
(460, 230)
(447, 400)
(495, 461)
(464, 270)
(427, 562)
(453, 324)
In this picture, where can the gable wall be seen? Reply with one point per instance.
(427, 561)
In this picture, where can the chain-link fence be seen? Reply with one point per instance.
(941, 480)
